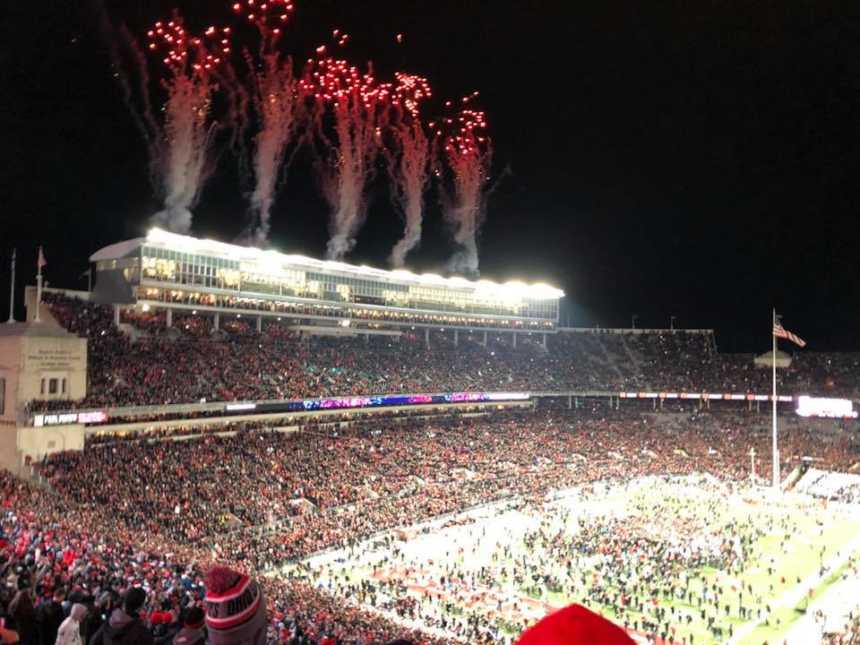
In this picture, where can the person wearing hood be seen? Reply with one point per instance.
(124, 627)
(70, 629)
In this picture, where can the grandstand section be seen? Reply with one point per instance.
(170, 272)
(470, 526)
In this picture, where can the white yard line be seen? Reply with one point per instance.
(791, 597)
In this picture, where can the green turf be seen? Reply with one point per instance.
(801, 560)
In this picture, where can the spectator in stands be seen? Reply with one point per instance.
(49, 617)
(193, 628)
(124, 627)
(22, 611)
(189, 363)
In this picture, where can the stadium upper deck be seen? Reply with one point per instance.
(165, 270)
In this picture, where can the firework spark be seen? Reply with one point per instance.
(355, 103)
(183, 149)
(408, 159)
(468, 153)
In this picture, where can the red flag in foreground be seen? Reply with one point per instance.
(575, 625)
(781, 332)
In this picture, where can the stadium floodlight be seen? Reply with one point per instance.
(274, 262)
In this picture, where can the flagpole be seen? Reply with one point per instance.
(12, 291)
(38, 286)
(775, 449)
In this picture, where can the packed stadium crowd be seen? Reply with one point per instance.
(56, 556)
(153, 510)
(277, 496)
(146, 362)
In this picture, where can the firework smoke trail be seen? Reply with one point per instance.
(125, 54)
(469, 154)
(275, 99)
(274, 93)
(185, 153)
(356, 103)
(408, 161)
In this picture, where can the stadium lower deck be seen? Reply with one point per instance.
(647, 516)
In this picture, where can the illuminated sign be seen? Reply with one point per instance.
(96, 416)
(92, 416)
(812, 406)
(233, 407)
(704, 395)
(350, 402)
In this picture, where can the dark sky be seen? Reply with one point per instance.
(696, 159)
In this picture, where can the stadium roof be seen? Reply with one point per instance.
(161, 238)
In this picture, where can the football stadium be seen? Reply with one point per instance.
(386, 454)
(318, 323)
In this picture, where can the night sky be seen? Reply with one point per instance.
(696, 159)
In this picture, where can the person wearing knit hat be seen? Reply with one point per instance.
(575, 625)
(192, 632)
(235, 609)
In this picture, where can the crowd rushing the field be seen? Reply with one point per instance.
(146, 362)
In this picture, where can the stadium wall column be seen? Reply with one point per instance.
(216, 324)
(116, 315)
(515, 339)
(168, 318)
(485, 339)
(544, 341)
(259, 324)
(456, 338)
(427, 336)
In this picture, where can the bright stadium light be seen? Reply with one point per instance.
(274, 262)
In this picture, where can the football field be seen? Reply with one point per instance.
(690, 560)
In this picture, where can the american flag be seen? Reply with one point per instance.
(780, 332)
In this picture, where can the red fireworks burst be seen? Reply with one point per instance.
(181, 49)
(467, 131)
(358, 105)
(270, 16)
(409, 91)
(468, 152)
(408, 159)
(335, 81)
